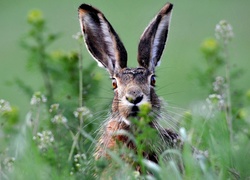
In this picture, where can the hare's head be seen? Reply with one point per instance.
(132, 86)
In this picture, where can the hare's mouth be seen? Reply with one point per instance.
(134, 111)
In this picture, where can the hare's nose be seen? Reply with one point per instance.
(134, 100)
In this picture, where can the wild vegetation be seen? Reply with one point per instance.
(57, 137)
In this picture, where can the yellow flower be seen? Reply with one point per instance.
(210, 46)
(35, 16)
(243, 113)
(57, 55)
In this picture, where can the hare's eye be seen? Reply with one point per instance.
(114, 84)
(152, 80)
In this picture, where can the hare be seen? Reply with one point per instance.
(133, 87)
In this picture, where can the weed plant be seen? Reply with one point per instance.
(57, 136)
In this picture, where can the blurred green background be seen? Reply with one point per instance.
(192, 22)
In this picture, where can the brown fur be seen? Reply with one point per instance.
(133, 86)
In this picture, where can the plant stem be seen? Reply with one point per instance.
(43, 66)
(80, 80)
(46, 78)
(36, 121)
(228, 95)
(76, 137)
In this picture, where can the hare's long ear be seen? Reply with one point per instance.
(101, 39)
(153, 39)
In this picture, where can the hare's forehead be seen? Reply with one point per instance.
(127, 74)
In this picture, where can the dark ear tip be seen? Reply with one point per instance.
(171, 6)
(167, 8)
(84, 7)
(87, 8)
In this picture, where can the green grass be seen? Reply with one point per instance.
(185, 79)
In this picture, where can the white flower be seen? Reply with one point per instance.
(219, 84)
(44, 139)
(224, 31)
(82, 112)
(54, 107)
(8, 163)
(216, 101)
(59, 118)
(4, 106)
(38, 98)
